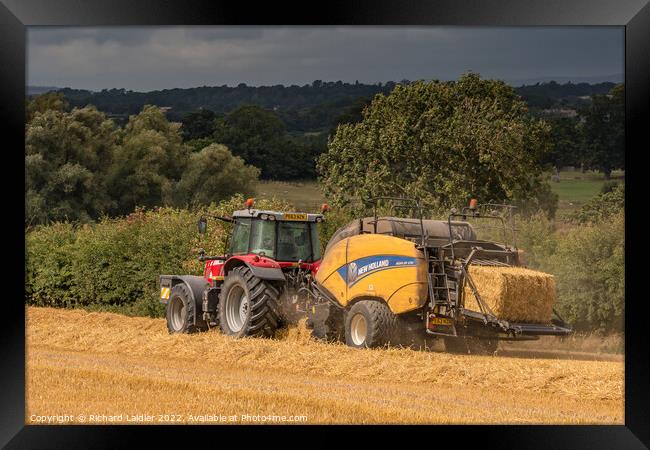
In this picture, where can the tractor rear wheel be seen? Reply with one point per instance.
(248, 305)
(370, 323)
(180, 310)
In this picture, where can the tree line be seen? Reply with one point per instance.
(259, 137)
(440, 140)
(311, 107)
(594, 139)
(308, 108)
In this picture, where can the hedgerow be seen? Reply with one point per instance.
(114, 264)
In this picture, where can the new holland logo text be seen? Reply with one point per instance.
(356, 270)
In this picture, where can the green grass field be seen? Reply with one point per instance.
(574, 190)
(304, 195)
(577, 188)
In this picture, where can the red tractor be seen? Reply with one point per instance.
(271, 255)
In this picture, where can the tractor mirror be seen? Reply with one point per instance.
(203, 225)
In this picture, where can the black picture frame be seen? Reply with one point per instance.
(634, 15)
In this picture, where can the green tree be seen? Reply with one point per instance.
(250, 132)
(148, 162)
(212, 175)
(196, 145)
(48, 101)
(601, 207)
(66, 156)
(352, 114)
(566, 143)
(603, 129)
(198, 125)
(589, 266)
(443, 143)
(260, 138)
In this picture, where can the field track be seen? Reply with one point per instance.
(118, 368)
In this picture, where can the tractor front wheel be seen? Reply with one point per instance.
(248, 305)
(370, 323)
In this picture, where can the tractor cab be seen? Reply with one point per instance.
(281, 236)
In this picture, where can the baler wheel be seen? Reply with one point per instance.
(370, 323)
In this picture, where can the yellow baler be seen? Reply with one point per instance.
(392, 280)
(375, 266)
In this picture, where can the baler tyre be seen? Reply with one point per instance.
(370, 323)
(180, 310)
(248, 305)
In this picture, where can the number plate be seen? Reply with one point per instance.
(294, 216)
(440, 321)
(164, 293)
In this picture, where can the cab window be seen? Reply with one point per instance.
(240, 236)
(263, 238)
(294, 241)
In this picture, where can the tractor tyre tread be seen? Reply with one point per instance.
(382, 323)
(182, 291)
(264, 319)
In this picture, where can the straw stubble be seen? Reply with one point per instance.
(101, 363)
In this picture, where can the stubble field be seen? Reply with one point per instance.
(106, 368)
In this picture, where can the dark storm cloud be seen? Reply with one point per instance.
(147, 58)
(60, 36)
(223, 33)
(136, 35)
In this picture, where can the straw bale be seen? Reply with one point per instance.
(513, 293)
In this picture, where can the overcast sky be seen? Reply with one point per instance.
(150, 58)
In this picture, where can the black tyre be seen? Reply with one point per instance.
(370, 323)
(248, 305)
(180, 310)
